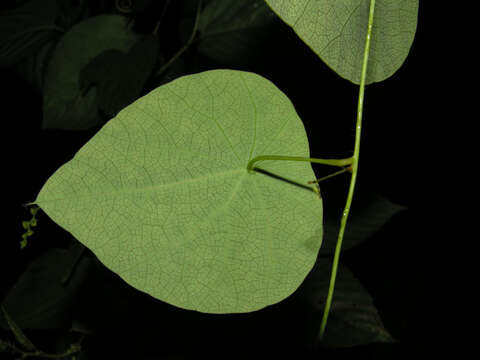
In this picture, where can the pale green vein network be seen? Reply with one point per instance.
(254, 106)
(335, 30)
(146, 189)
(217, 122)
(160, 198)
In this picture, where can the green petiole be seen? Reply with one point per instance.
(331, 162)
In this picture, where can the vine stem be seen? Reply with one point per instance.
(187, 44)
(356, 154)
(331, 162)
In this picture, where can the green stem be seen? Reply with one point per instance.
(331, 162)
(329, 176)
(73, 349)
(356, 154)
(286, 180)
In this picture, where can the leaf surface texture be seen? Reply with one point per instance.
(162, 196)
(336, 29)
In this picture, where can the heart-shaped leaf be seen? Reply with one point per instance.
(64, 107)
(162, 195)
(335, 30)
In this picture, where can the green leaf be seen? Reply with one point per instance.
(64, 107)
(354, 319)
(162, 196)
(335, 30)
(234, 32)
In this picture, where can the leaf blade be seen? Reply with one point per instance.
(162, 195)
(335, 30)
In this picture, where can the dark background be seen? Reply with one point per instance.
(410, 153)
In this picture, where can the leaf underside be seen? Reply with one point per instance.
(335, 30)
(162, 196)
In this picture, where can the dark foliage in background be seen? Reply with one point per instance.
(396, 285)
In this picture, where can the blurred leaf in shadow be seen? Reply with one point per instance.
(71, 12)
(354, 319)
(119, 77)
(24, 30)
(104, 303)
(64, 107)
(369, 212)
(40, 299)
(93, 73)
(234, 32)
(22, 339)
(32, 69)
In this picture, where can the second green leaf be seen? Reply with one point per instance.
(335, 30)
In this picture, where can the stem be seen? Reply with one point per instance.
(287, 180)
(73, 349)
(331, 162)
(356, 154)
(29, 349)
(329, 176)
(185, 47)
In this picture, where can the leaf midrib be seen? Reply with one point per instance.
(148, 188)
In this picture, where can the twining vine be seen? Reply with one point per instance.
(349, 164)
